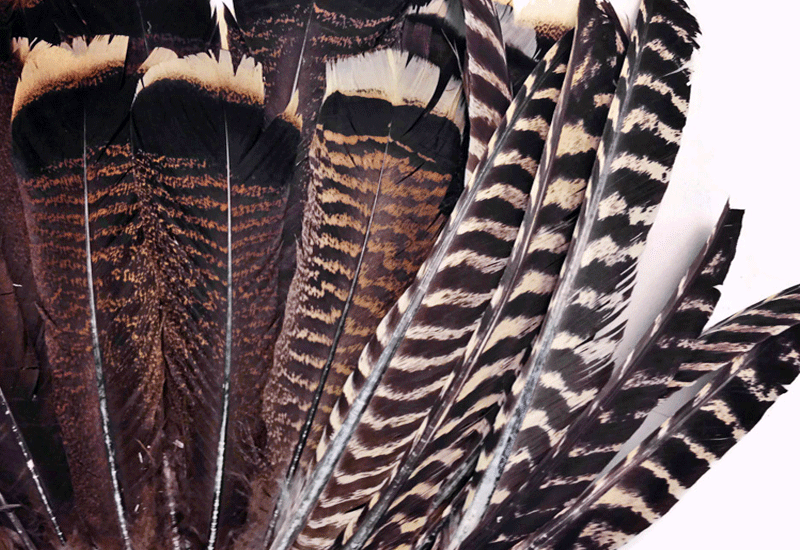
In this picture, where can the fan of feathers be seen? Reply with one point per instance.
(354, 274)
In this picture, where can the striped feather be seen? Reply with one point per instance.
(211, 213)
(387, 149)
(68, 107)
(573, 356)
(445, 302)
(486, 81)
(460, 424)
(594, 438)
(653, 476)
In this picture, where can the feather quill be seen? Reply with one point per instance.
(648, 482)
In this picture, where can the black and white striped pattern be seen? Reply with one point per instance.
(421, 340)
(573, 356)
(510, 323)
(653, 476)
(592, 440)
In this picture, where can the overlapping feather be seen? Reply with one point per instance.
(148, 249)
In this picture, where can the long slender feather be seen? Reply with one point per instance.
(510, 323)
(445, 302)
(486, 80)
(593, 439)
(573, 356)
(648, 482)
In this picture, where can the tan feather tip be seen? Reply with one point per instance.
(215, 76)
(290, 113)
(550, 18)
(47, 67)
(397, 77)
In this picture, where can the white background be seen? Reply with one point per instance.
(741, 142)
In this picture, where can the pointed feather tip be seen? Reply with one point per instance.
(215, 76)
(47, 67)
(397, 77)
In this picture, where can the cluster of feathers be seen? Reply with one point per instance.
(353, 274)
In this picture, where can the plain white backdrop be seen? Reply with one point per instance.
(742, 142)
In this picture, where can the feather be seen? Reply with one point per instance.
(218, 255)
(373, 212)
(491, 362)
(649, 480)
(486, 81)
(58, 136)
(595, 436)
(573, 356)
(169, 379)
(445, 302)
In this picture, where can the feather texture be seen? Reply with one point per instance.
(378, 182)
(271, 277)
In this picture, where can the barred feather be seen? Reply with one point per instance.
(592, 440)
(487, 84)
(573, 356)
(648, 482)
(378, 182)
(445, 302)
(461, 423)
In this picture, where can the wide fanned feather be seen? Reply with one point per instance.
(209, 226)
(573, 356)
(386, 150)
(68, 108)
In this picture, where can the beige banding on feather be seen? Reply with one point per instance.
(550, 18)
(398, 78)
(47, 67)
(217, 77)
